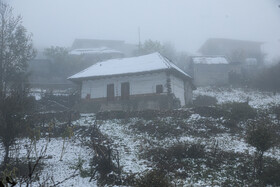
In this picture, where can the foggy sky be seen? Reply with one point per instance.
(185, 23)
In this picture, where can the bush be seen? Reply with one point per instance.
(196, 151)
(263, 137)
(207, 111)
(205, 100)
(271, 174)
(174, 157)
(153, 178)
(156, 128)
(239, 111)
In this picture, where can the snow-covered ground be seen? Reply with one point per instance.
(257, 99)
(54, 169)
(130, 144)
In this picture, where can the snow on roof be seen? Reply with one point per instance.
(146, 63)
(101, 50)
(210, 60)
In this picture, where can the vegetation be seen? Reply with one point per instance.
(205, 100)
(262, 136)
(239, 111)
(268, 79)
(155, 178)
(15, 51)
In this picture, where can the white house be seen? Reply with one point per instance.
(136, 83)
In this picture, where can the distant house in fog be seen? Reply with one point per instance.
(117, 45)
(136, 83)
(211, 70)
(237, 51)
(93, 55)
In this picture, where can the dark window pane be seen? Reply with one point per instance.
(159, 89)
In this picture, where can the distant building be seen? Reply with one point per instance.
(118, 45)
(211, 70)
(93, 55)
(237, 51)
(136, 83)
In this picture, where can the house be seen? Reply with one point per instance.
(211, 70)
(94, 55)
(237, 51)
(117, 45)
(136, 83)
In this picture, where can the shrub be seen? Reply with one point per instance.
(205, 100)
(154, 178)
(239, 111)
(196, 151)
(207, 111)
(271, 174)
(174, 157)
(262, 136)
(156, 128)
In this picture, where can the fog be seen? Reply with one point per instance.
(186, 24)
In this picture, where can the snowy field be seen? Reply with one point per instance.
(257, 99)
(131, 145)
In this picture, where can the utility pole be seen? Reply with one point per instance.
(139, 39)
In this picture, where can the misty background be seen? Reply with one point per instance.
(185, 24)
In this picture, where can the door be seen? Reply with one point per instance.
(125, 90)
(110, 92)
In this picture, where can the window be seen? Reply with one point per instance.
(125, 90)
(110, 92)
(159, 89)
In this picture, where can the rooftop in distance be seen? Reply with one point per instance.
(210, 60)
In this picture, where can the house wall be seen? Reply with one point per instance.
(178, 88)
(139, 85)
(188, 93)
(211, 74)
(143, 94)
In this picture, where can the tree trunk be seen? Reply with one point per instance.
(260, 164)
(7, 151)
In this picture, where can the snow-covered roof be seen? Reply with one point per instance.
(210, 60)
(146, 63)
(101, 50)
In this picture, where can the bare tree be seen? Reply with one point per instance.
(15, 52)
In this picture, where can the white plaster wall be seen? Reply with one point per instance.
(178, 88)
(188, 93)
(139, 84)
